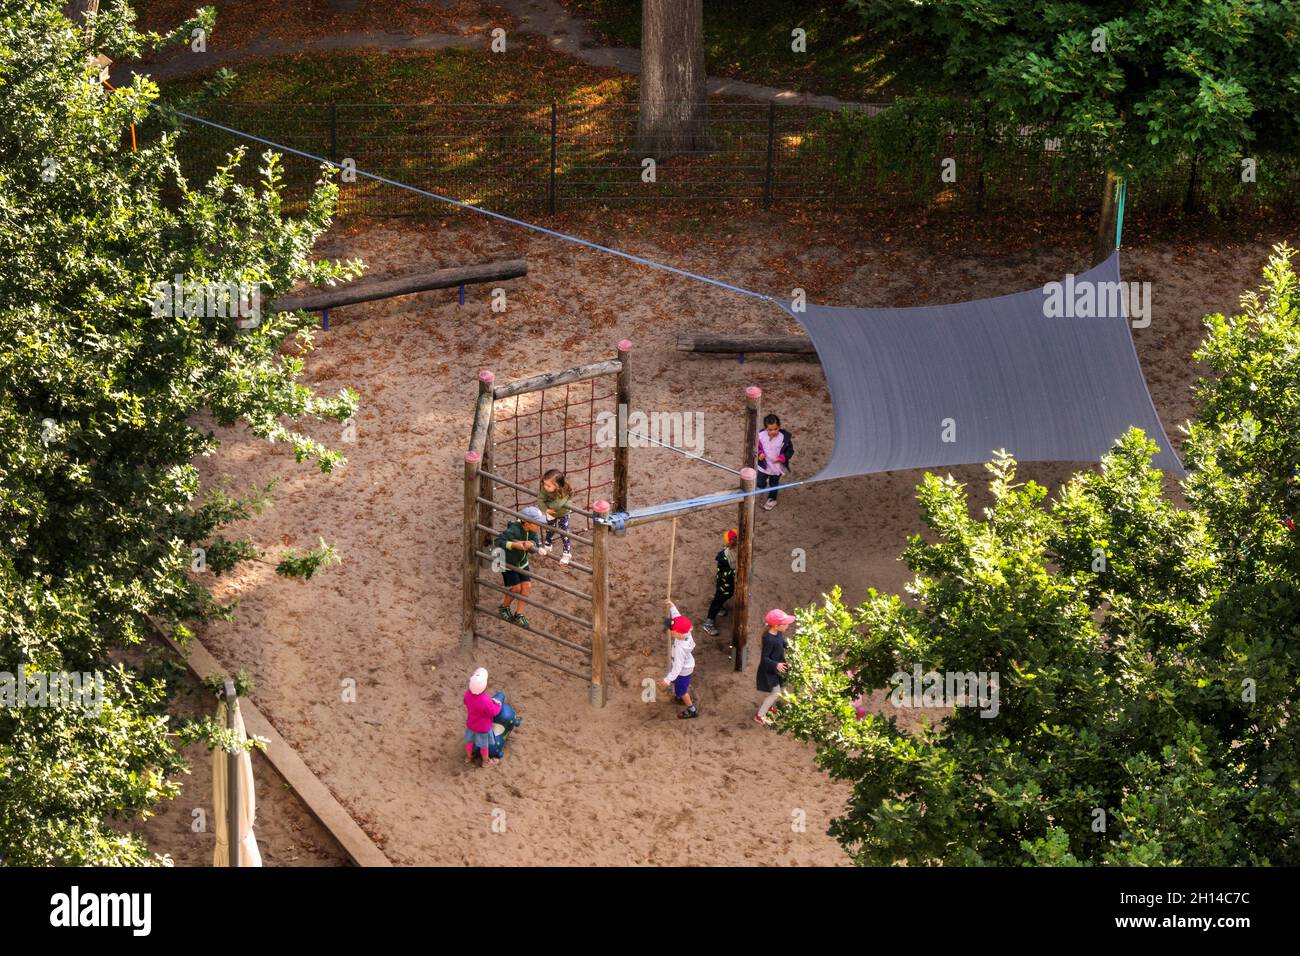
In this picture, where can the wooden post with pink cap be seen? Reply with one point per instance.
(744, 562)
(469, 574)
(481, 441)
(745, 528)
(599, 600)
(623, 407)
(475, 513)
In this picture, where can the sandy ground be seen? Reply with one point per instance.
(629, 784)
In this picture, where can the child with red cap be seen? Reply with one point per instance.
(772, 666)
(724, 582)
(683, 662)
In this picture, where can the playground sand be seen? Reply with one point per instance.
(628, 784)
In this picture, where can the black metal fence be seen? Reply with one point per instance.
(540, 158)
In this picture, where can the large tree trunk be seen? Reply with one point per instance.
(1104, 243)
(673, 114)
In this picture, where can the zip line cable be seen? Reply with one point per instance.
(483, 212)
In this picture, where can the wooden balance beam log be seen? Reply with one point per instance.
(735, 345)
(368, 291)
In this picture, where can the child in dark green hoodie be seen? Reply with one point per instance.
(516, 541)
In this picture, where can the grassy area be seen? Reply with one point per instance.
(750, 40)
(528, 74)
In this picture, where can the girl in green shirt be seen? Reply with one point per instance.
(553, 498)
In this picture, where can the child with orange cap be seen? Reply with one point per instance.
(683, 661)
(724, 582)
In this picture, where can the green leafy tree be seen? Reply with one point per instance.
(1147, 653)
(101, 506)
(1147, 84)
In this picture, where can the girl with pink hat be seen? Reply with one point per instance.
(480, 709)
(771, 665)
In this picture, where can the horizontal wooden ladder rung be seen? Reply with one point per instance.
(532, 602)
(528, 491)
(541, 580)
(517, 514)
(533, 630)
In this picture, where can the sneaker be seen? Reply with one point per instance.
(709, 628)
(759, 720)
(769, 504)
(688, 713)
(522, 621)
(542, 550)
(506, 614)
(566, 558)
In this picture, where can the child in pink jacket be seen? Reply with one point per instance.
(480, 709)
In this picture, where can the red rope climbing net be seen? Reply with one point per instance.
(538, 433)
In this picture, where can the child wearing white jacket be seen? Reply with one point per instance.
(683, 662)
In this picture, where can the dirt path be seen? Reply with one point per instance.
(545, 18)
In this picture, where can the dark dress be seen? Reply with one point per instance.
(773, 653)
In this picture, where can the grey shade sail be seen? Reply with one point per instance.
(950, 384)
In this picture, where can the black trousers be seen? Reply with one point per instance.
(769, 481)
(719, 598)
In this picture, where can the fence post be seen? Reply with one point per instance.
(771, 152)
(551, 189)
(599, 601)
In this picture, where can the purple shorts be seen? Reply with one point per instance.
(681, 685)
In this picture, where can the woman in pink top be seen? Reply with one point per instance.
(480, 709)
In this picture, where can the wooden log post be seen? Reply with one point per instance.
(469, 570)
(744, 562)
(599, 602)
(624, 407)
(747, 344)
(373, 289)
(552, 379)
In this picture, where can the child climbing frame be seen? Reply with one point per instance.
(485, 516)
(519, 432)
